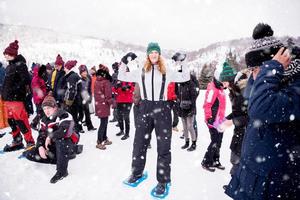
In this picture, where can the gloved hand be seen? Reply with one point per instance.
(179, 57)
(124, 88)
(119, 84)
(224, 125)
(128, 57)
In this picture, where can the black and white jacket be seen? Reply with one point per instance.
(153, 80)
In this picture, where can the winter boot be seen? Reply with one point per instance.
(101, 146)
(193, 146)
(91, 128)
(58, 176)
(218, 165)
(107, 142)
(120, 133)
(186, 145)
(208, 168)
(161, 190)
(126, 136)
(135, 180)
(16, 144)
(113, 120)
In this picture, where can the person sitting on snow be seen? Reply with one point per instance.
(57, 139)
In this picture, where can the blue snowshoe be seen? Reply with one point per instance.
(134, 181)
(161, 190)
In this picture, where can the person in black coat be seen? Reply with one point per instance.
(186, 99)
(72, 96)
(15, 88)
(236, 84)
(114, 76)
(58, 145)
(86, 95)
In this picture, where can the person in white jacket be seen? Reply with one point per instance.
(154, 113)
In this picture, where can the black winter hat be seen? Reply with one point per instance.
(42, 71)
(264, 46)
(115, 66)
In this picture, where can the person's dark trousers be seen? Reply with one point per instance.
(86, 112)
(136, 113)
(102, 131)
(123, 110)
(28, 104)
(196, 127)
(58, 154)
(174, 107)
(235, 161)
(162, 123)
(212, 154)
(39, 115)
(73, 110)
(64, 148)
(115, 114)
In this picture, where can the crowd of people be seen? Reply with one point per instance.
(265, 104)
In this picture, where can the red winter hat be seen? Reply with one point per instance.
(49, 67)
(49, 101)
(12, 49)
(103, 67)
(70, 64)
(59, 60)
(82, 68)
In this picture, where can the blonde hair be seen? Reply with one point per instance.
(161, 65)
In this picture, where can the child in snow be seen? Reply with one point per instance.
(154, 113)
(57, 139)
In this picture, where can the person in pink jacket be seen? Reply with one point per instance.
(214, 110)
(39, 91)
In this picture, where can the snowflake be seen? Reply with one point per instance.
(260, 159)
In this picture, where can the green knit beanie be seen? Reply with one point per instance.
(153, 46)
(227, 74)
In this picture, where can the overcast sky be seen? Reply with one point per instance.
(175, 24)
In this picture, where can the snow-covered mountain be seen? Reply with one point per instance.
(42, 45)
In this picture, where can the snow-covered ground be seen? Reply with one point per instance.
(97, 174)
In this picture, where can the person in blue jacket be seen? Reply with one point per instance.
(269, 165)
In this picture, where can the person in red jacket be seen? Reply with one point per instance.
(171, 97)
(103, 102)
(124, 97)
(39, 91)
(214, 110)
